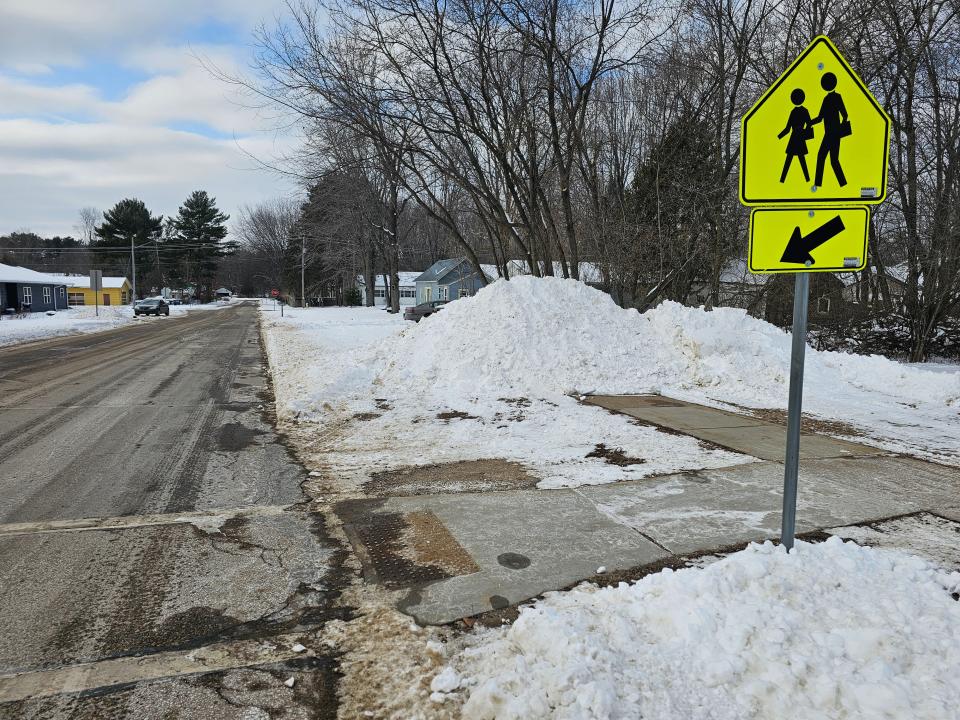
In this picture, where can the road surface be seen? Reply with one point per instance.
(156, 555)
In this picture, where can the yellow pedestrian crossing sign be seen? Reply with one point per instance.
(811, 239)
(816, 136)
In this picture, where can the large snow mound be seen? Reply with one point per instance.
(832, 630)
(543, 335)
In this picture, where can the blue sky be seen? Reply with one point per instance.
(105, 99)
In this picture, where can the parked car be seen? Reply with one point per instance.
(416, 312)
(151, 306)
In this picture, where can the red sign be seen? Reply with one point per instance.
(274, 292)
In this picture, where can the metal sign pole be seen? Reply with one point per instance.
(791, 463)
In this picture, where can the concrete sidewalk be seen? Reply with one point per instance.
(740, 433)
(463, 554)
(526, 542)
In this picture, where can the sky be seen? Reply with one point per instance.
(106, 99)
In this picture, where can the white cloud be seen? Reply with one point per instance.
(48, 171)
(66, 146)
(66, 32)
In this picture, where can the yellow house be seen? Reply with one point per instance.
(116, 291)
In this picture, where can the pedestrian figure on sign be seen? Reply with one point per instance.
(836, 125)
(798, 125)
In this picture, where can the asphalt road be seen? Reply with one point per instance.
(148, 509)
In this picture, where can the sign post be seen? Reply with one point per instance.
(96, 285)
(804, 222)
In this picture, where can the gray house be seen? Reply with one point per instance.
(449, 280)
(22, 289)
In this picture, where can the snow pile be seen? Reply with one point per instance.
(832, 630)
(553, 335)
(537, 336)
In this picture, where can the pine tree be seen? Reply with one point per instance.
(127, 221)
(199, 230)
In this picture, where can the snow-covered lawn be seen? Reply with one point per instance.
(832, 630)
(40, 326)
(497, 375)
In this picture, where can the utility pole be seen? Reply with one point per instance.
(303, 267)
(133, 265)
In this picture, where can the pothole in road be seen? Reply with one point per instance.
(234, 437)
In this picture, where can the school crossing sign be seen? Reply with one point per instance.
(815, 136)
(816, 140)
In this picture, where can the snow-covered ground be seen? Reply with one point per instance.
(40, 326)
(496, 375)
(831, 630)
(344, 369)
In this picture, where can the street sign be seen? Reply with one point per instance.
(96, 285)
(816, 136)
(274, 292)
(811, 239)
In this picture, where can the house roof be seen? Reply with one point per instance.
(736, 272)
(440, 268)
(407, 279)
(17, 274)
(589, 272)
(218, 291)
(83, 281)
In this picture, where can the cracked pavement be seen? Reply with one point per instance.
(191, 530)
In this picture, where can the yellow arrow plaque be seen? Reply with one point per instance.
(815, 136)
(811, 239)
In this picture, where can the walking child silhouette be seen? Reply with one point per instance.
(836, 126)
(798, 125)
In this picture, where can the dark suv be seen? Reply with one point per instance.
(415, 312)
(152, 306)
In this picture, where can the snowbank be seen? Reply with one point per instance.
(504, 361)
(328, 367)
(832, 630)
(38, 326)
(552, 335)
(78, 320)
(548, 335)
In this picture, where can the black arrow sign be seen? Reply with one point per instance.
(799, 246)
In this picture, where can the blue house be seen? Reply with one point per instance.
(23, 289)
(449, 280)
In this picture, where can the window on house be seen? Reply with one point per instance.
(28, 296)
(47, 295)
(823, 304)
(444, 293)
(62, 292)
(380, 292)
(464, 292)
(123, 297)
(76, 298)
(408, 292)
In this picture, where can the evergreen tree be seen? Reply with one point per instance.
(127, 221)
(198, 233)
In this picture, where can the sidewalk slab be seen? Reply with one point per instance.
(693, 513)
(751, 436)
(524, 542)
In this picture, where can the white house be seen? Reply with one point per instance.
(408, 289)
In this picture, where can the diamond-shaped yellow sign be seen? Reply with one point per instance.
(815, 136)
